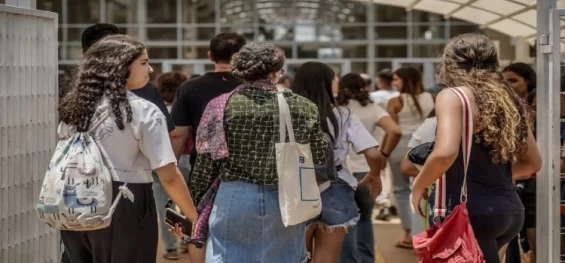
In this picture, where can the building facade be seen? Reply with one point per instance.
(349, 35)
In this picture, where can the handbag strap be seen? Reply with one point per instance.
(466, 137)
(440, 208)
(285, 121)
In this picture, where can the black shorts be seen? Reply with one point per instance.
(131, 237)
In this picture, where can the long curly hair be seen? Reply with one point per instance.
(352, 87)
(103, 71)
(470, 60)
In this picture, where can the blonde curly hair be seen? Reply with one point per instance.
(470, 60)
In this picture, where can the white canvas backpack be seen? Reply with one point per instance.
(76, 194)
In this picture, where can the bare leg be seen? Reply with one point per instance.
(197, 255)
(310, 241)
(502, 253)
(328, 245)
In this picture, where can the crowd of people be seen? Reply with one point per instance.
(175, 138)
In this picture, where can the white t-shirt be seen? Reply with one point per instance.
(381, 97)
(369, 116)
(142, 146)
(425, 133)
(352, 133)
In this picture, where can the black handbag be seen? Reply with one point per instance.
(419, 154)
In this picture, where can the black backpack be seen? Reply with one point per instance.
(327, 171)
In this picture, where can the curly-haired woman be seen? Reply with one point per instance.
(245, 223)
(136, 141)
(503, 143)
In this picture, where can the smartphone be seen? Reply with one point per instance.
(172, 218)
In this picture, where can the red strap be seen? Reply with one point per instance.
(440, 209)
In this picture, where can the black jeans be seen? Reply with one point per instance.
(131, 237)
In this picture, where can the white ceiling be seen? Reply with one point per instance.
(512, 17)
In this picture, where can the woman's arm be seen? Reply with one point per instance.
(392, 134)
(373, 178)
(176, 188)
(408, 168)
(529, 163)
(393, 108)
(448, 140)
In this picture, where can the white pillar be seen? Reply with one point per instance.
(522, 50)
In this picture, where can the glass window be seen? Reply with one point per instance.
(429, 32)
(358, 67)
(380, 66)
(391, 32)
(353, 51)
(186, 69)
(198, 33)
(352, 33)
(132, 31)
(157, 70)
(384, 13)
(462, 29)
(74, 34)
(427, 50)
(245, 30)
(162, 52)
(122, 12)
(161, 34)
(391, 51)
(74, 51)
(317, 50)
(84, 12)
(162, 12)
(60, 34)
(351, 12)
(198, 11)
(275, 33)
(238, 12)
(287, 51)
(47, 5)
(420, 16)
(195, 52)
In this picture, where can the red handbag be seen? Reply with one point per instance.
(453, 240)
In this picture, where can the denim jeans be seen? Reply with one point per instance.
(161, 199)
(246, 226)
(359, 244)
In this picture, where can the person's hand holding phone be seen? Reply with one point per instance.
(180, 225)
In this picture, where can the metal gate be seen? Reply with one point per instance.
(549, 50)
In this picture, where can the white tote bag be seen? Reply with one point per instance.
(299, 195)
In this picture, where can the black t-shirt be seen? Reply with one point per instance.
(194, 95)
(150, 93)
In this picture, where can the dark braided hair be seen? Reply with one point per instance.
(103, 71)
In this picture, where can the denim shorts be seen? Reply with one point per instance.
(246, 226)
(338, 206)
